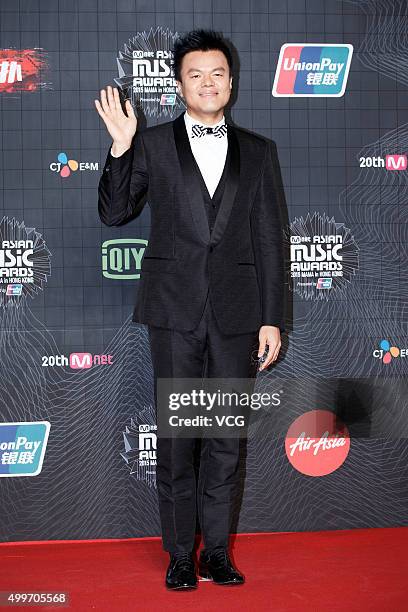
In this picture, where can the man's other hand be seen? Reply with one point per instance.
(269, 335)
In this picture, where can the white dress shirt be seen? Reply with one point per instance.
(209, 151)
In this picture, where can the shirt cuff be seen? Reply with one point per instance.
(113, 154)
(117, 156)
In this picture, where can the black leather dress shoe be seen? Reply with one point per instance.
(217, 566)
(181, 572)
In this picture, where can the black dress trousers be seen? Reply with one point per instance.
(203, 352)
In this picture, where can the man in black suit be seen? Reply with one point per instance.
(212, 276)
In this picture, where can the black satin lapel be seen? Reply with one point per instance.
(191, 179)
(231, 186)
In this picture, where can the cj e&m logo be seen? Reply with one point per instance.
(387, 353)
(122, 257)
(389, 162)
(64, 166)
(312, 70)
(22, 448)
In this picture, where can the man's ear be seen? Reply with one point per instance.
(230, 82)
(179, 88)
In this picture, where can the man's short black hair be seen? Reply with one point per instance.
(198, 40)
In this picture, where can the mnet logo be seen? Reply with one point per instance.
(390, 162)
(122, 257)
(82, 361)
(396, 162)
(76, 361)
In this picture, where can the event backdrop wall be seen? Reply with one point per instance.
(326, 80)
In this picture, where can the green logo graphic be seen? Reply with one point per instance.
(122, 257)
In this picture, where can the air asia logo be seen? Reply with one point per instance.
(317, 443)
(65, 166)
(312, 70)
(24, 261)
(122, 257)
(323, 256)
(76, 361)
(22, 70)
(140, 446)
(387, 353)
(146, 73)
(390, 162)
(22, 448)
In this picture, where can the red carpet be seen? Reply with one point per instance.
(353, 570)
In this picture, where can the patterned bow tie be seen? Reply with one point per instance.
(199, 130)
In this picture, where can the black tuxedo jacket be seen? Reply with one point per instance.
(240, 261)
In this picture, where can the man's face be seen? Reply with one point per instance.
(205, 81)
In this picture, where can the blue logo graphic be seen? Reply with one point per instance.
(22, 448)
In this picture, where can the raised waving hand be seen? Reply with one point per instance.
(121, 128)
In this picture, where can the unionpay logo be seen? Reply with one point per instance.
(313, 70)
(65, 166)
(324, 283)
(168, 99)
(386, 352)
(14, 289)
(22, 447)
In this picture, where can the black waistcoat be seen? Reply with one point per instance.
(212, 204)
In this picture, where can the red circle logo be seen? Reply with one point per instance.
(317, 443)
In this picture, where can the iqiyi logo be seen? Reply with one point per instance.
(122, 258)
(387, 353)
(65, 166)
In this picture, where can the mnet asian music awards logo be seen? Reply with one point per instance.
(122, 258)
(24, 262)
(312, 70)
(146, 74)
(317, 443)
(140, 440)
(22, 448)
(64, 166)
(323, 256)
